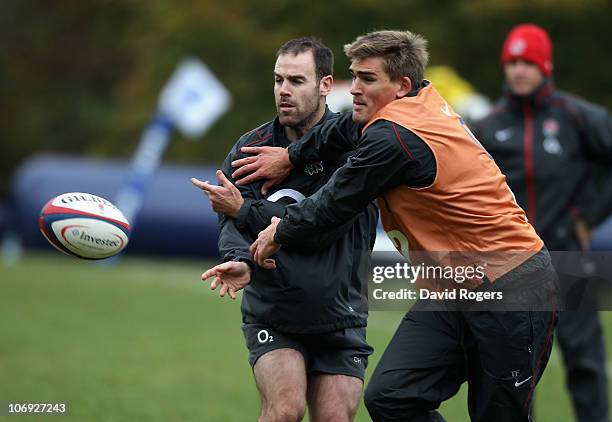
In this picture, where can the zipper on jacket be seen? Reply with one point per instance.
(528, 161)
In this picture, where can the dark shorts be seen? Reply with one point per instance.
(342, 352)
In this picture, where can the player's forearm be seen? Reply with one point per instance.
(255, 215)
(326, 141)
(233, 244)
(321, 218)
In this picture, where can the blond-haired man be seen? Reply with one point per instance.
(439, 191)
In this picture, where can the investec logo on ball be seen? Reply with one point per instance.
(79, 235)
(90, 238)
(93, 240)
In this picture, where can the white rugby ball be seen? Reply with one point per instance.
(84, 225)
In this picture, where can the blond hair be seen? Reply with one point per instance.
(404, 53)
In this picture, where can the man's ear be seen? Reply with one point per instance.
(404, 88)
(325, 85)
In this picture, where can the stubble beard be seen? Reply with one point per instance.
(359, 117)
(306, 122)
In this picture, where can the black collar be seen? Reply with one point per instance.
(415, 91)
(538, 98)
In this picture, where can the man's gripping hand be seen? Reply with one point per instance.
(270, 163)
(224, 199)
(265, 246)
(231, 276)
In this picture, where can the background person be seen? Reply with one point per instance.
(551, 145)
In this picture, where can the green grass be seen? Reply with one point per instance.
(146, 340)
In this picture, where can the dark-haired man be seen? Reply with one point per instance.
(304, 322)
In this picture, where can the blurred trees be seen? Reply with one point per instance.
(84, 76)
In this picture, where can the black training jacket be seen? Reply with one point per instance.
(555, 150)
(321, 285)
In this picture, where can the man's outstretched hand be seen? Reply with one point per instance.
(231, 276)
(224, 199)
(265, 246)
(269, 163)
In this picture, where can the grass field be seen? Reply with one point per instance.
(146, 340)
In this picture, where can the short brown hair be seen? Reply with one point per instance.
(323, 56)
(404, 53)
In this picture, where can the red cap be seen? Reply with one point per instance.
(530, 43)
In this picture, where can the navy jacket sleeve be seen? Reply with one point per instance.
(596, 125)
(596, 128)
(233, 244)
(387, 156)
(594, 205)
(255, 214)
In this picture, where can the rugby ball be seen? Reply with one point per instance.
(84, 225)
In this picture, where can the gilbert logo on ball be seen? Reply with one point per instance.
(84, 225)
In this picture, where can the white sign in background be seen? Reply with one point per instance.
(191, 101)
